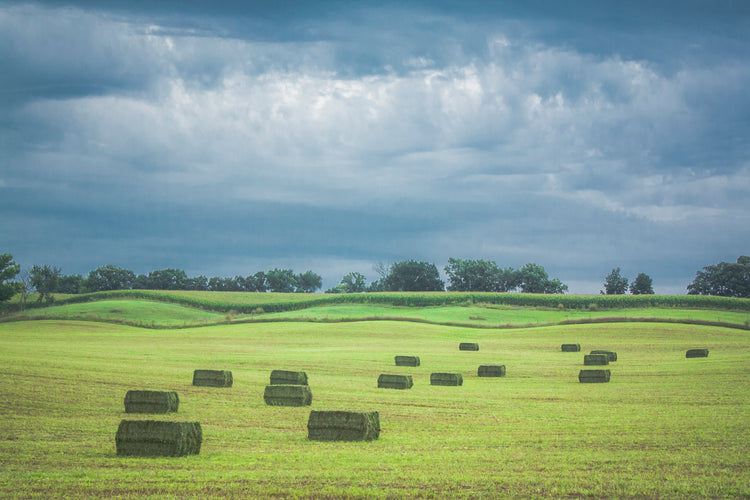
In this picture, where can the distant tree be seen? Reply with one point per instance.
(256, 282)
(8, 271)
(109, 277)
(216, 284)
(197, 283)
(533, 278)
(167, 279)
(24, 287)
(480, 276)
(352, 283)
(724, 279)
(308, 282)
(615, 283)
(140, 282)
(70, 284)
(642, 285)
(45, 280)
(281, 280)
(376, 286)
(413, 276)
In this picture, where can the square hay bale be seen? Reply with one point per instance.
(343, 426)
(407, 360)
(446, 379)
(491, 371)
(288, 395)
(151, 402)
(285, 377)
(153, 438)
(468, 346)
(595, 359)
(593, 376)
(696, 353)
(610, 354)
(571, 348)
(212, 378)
(395, 381)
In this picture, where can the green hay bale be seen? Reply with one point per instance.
(446, 379)
(610, 354)
(212, 378)
(284, 377)
(696, 353)
(407, 360)
(468, 346)
(288, 395)
(151, 402)
(593, 376)
(491, 371)
(571, 348)
(152, 438)
(343, 426)
(395, 381)
(595, 359)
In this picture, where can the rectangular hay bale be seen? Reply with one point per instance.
(288, 395)
(286, 377)
(593, 376)
(610, 354)
(491, 371)
(446, 379)
(151, 402)
(595, 359)
(153, 438)
(468, 346)
(212, 378)
(571, 348)
(696, 353)
(407, 360)
(343, 426)
(386, 381)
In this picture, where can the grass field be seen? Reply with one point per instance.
(665, 426)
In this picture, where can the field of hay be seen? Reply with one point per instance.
(665, 426)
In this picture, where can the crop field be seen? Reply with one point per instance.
(665, 426)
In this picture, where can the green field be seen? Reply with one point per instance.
(665, 426)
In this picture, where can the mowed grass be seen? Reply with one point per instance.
(666, 426)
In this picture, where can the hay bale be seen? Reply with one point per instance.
(491, 371)
(284, 377)
(395, 381)
(212, 378)
(593, 376)
(152, 438)
(446, 379)
(151, 402)
(595, 359)
(571, 348)
(343, 426)
(610, 354)
(407, 360)
(468, 346)
(696, 353)
(288, 395)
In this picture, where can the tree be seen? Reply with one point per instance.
(308, 282)
(110, 277)
(642, 285)
(70, 284)
(216, 284)
(533, 278)
(413, 276)
(281, 280)
(725, 279)
(256, 282)
(8, 271)
(45, 279)
(167, 279)
(615, 284)
(352, 283)
(479, 276)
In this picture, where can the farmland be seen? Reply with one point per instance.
(665, 426)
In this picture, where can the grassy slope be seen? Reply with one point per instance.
(665, 426)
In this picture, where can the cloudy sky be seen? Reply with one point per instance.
(226, 138)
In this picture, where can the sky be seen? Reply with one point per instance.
(226, 138)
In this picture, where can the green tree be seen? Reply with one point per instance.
(256, 282)
(413, 276)
(281, 280)
(8, 271)
(308, 282)
(642, 285)
(615, 283)
(45, 280)
(109, 277)
(352, 283)
(724, 279)
(70, 284)
(479, 276)
(533, 278)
